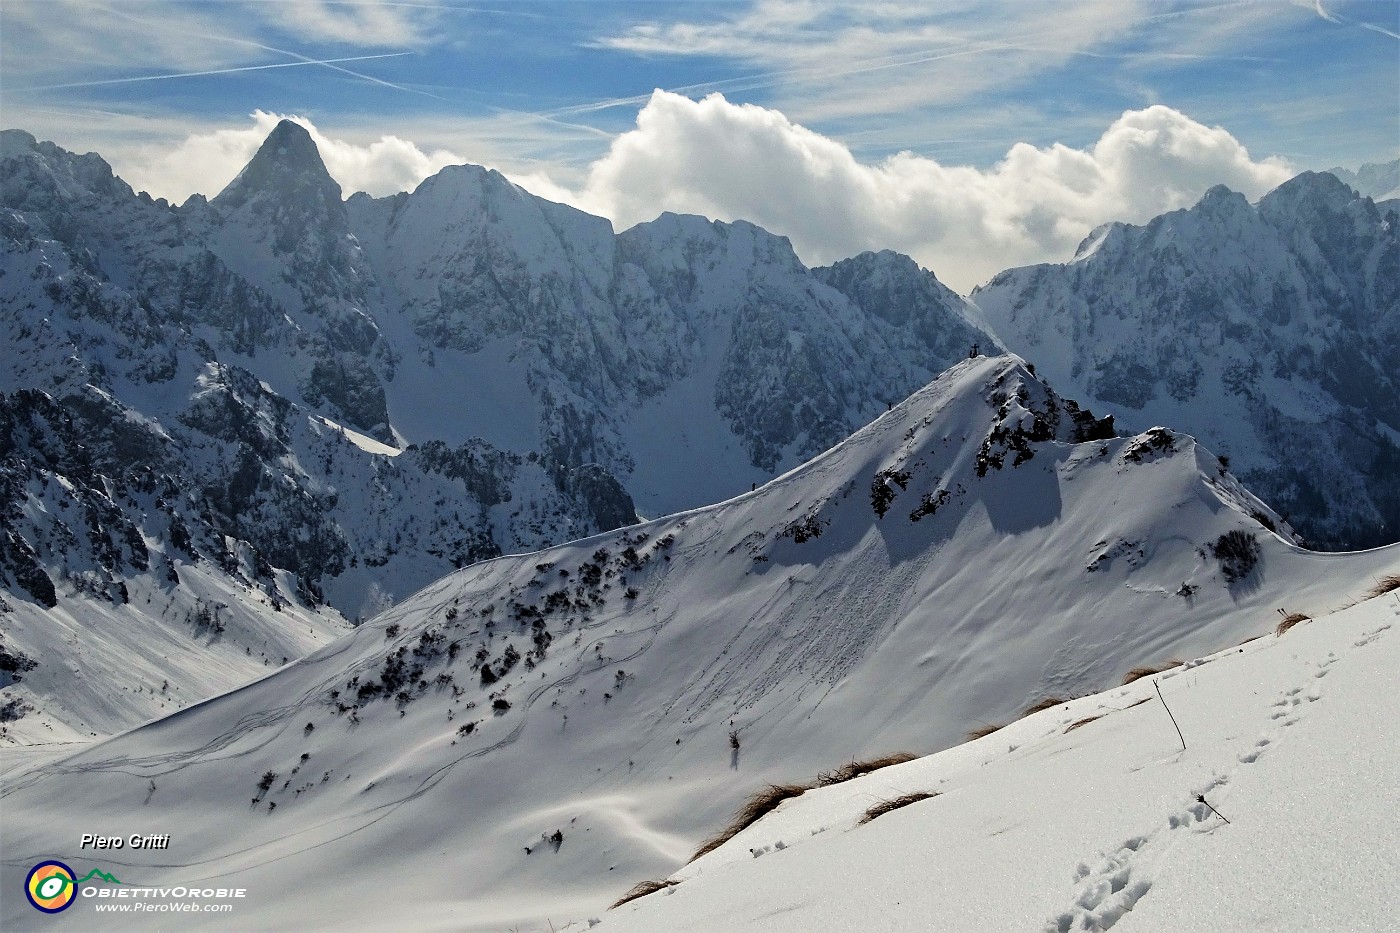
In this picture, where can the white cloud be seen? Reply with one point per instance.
(206, 162)
(826, 60)
(365, 23)
(731, 161)
(56, 40)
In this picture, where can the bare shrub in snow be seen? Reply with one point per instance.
(1290, 620)
(880, 809)
(643, 889)
(1238, 553)
(1385, 585)
(1138, 673)
(856, 768)
(754, 809)
(982, 731)
(1047, 703)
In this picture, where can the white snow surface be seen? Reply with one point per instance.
(1051, 578)
(1291, 738)
(368, 444)
(104, 666)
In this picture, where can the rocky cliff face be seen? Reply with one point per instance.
(1267, 330)
(287, 402)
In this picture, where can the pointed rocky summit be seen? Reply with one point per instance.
(287, 170)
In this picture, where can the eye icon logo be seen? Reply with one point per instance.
(50, 887)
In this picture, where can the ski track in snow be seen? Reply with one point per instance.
(1110, 886)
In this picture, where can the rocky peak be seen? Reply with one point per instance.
(1310, 194)
(889, 284)
(36, 172)
(1222, 200)
(15, 142)
(286, 174)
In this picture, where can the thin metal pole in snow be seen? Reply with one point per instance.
(1169, 713)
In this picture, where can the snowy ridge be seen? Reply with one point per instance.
(845, 609)
(543, 377)
(1377, 180)
(1269, 331)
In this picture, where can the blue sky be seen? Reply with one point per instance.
(545, 90)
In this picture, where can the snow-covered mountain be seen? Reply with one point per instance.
(325, 405)
(1271, 331)
(523, 740)
(1379, 181)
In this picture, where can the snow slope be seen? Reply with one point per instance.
(100, 666)
(1291, 738)
(845, 609)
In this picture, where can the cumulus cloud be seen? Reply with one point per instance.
(730, 162)
(206, 162)
(741, 161)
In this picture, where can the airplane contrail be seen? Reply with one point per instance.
(1334, 18)
(216, 71)
(967, 47)
(297, 55)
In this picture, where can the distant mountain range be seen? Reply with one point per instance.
(331, 404)
(281, 404)
(1271, 331)
(1379, 181)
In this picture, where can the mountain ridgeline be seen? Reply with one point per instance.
(566, 722)
(324, 405)
(1271, 331)
(280, 402)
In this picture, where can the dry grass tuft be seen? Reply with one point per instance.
(1290, 620)
(1085, 722)
(767, 800)
(1385, 585)
(643, 889)
(880, 809)
(856, 768)
(1047, 703)
(981, 732)
(754, 809)
(1138, 673)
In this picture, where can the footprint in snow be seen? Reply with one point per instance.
(1104, 893)
(1253, 754)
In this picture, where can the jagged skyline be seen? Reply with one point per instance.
(1015, 129)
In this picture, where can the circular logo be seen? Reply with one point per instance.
(50, 886)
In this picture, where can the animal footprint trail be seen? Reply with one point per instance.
(1200, 815)
(1370, 636)
(1253, 754)
(1106, 891)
